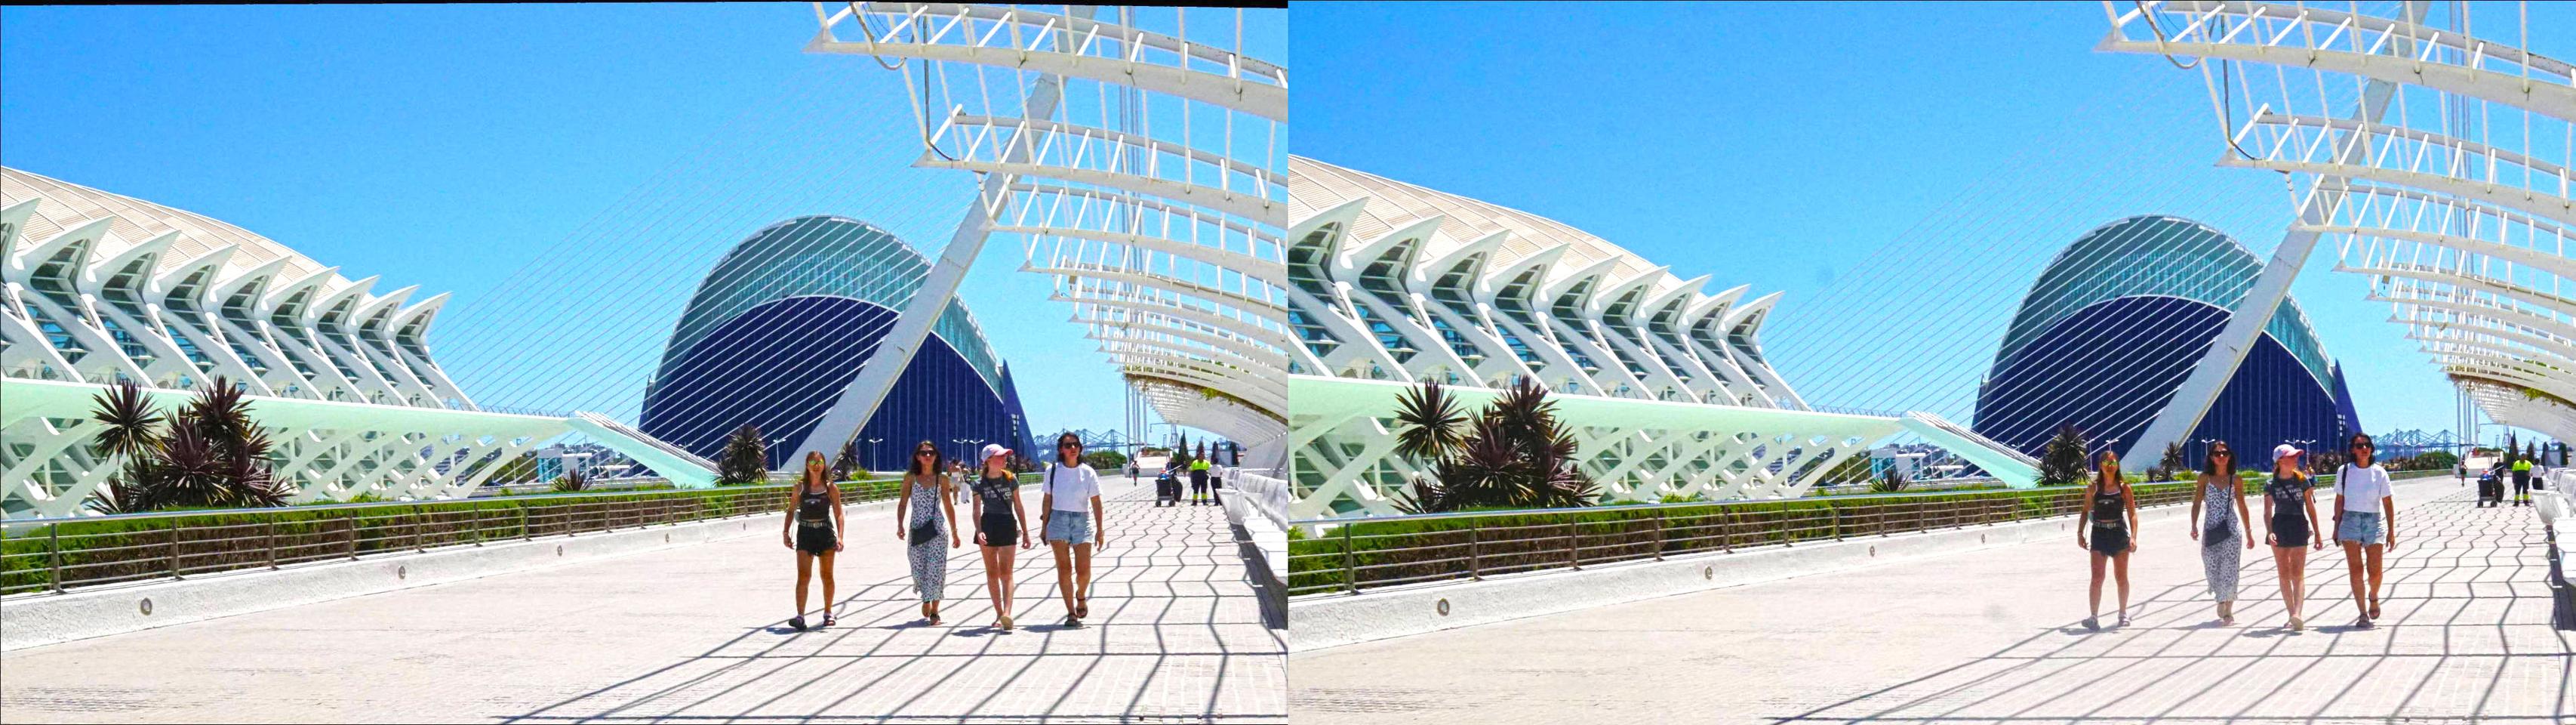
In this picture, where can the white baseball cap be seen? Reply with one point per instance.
(2285, 450)
(995, 449)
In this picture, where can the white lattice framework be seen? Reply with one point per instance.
(103, 288)
(1663, 385)
(1143, 169)
(2432, 152)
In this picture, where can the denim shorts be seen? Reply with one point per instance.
(2360, 527)
(1071, 527)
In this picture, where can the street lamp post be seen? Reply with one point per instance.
(872, 452)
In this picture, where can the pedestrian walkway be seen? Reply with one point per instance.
(1177, 634)
(1991, 637)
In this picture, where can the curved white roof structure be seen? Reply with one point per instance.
(1664, 383)
(101, 288)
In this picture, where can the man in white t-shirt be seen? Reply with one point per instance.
(2364, 501)
(1074, 524)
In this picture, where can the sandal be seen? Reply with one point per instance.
(1082, 608)
(2298, 626)
(1004, 622)
(2124, 620)
(797, 622)
(1072, 622)
(2093, 623)
(2363, 623)
(828, 620)
(2374, 610)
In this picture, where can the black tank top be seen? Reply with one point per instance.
(2108, 508)
(996, 493)
(814, 506)
(2289, 498)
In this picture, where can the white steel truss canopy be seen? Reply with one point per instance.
(1142, 162)
(2433, 152)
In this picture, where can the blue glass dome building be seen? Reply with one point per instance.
(778, 329)
(2116, 321)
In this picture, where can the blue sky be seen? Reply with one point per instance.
(1899, 171)
(562, 169)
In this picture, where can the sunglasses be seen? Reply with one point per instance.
(2360, 446)
(925, 453)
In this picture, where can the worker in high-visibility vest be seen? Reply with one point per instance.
(1199, 480)
(2521, 481)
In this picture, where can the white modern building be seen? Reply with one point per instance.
(1139, 155)
(1663, 382)
(2430, 145)
(102, 288)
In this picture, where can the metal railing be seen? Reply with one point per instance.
(58, 555)
(1361, 554)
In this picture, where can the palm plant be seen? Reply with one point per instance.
(1431, 422)
(571, 481)
(127, 435)
(2061, 462)
(1514, 454)
(209, 454)
(746, 458)
(1889, 482)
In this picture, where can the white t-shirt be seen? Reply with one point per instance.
(2362, 488)
(1073, 487)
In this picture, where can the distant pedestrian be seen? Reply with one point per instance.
(2111, 517)
(2223, 529)
(1075, 524)
(2364, 503)
(924, 513)
(2289, 515)
(814, 525)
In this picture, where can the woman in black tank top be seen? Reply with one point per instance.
(997, 526)
(2108, 529)
(2290, 511)
(814, 522)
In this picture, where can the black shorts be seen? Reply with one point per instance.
(999, 530)
(815, 539)
(2110, 541)
(2290, 532)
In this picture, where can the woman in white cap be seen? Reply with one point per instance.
(2289, 508)
(1073, 525)
(2363, 503)
(997, 527)
(2222, 495)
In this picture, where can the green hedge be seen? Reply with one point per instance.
(1404, 550)
(120, 549)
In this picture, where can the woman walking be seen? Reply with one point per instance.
(917, 513)
(2289, 510)
(2221, 531)
(1074, 525)
(997, 527)
(2111, 515)
(814, 524)
(2364, 501)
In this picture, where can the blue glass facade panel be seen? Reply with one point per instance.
(2108, 368)
(740, 373)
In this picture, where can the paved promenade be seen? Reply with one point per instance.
(1177, 634)
(1992, 637)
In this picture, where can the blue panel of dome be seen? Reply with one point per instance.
(745, 372)
(2109, 367)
